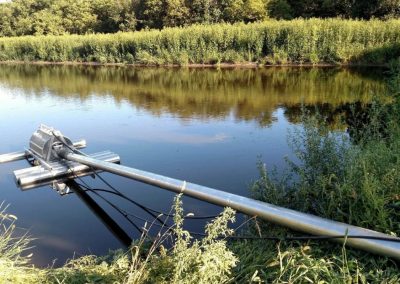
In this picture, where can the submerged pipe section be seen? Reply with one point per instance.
(295, 220)
(114, 228)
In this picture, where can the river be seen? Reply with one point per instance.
(207, 126)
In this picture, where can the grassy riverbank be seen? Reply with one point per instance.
(314, 41)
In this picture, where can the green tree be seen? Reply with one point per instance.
(305, 8)
(21, 23)
(77, 16)
(128, 21)
(254, 10)
(5, 20)
(35, 17)
(153, 13)
(389, 8)
(176, 14)
(280, 9)
(205, 11)
(376, 8)
(47, 22)
(334, 8)
(232, 10)
(113, 16)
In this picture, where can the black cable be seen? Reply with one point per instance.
(122, 212)
(145, 208)
(150, 209)
(254, 238)
(272, 238)
(130, 200)
(108, 184)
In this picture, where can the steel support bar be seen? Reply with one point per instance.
(11, 157)
(114, 228)
(16, 156)
(59, 171)
(289, 218)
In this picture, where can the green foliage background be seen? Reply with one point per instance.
(57, 17)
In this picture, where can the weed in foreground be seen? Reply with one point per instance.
(188, 261)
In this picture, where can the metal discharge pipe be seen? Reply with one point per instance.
(295, 220)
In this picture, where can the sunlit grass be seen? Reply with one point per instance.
(311, 41)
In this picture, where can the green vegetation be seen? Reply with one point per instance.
(313, 41)
(57, 17)
(366, 9)
(356, 183)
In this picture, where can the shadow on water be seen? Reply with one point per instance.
(246, 94)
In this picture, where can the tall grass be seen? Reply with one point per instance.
(14, 260)
(299, 41)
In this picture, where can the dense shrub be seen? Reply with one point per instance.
(274, 42)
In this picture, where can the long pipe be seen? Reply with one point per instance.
(289, 218)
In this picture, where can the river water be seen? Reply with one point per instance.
(206, 126)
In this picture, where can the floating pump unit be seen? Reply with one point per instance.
(48, 167)
(45, 142)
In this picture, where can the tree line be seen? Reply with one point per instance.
(57, 17)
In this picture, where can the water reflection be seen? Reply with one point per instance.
(245, 94)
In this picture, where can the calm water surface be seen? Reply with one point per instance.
(206, 126)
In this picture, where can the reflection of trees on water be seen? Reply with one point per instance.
(334, 116)
(247, 94)
(357, 118)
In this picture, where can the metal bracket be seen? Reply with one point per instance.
(61, 188)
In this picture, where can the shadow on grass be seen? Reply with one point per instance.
(379, 56)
